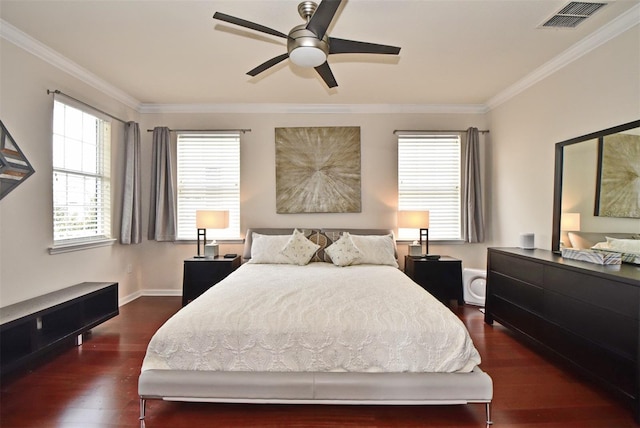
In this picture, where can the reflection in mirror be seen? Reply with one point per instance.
(14, 166)
(581, 186)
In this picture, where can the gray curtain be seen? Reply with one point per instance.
(472, 213)
(162, 209)
(131, 222)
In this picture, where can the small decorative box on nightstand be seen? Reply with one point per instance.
(442, 277)
(200, 274)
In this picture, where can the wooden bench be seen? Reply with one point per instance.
(31, 328)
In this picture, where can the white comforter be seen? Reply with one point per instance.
(319, 317)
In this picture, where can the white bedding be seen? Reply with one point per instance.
(314, 318)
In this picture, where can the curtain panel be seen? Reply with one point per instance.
(131, 222)
(473, 222)
(162, 209)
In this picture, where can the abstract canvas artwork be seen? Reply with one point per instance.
(618, 187)
(14, 166)
(318, 170)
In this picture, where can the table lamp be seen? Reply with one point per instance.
(210, 219)
(416, 220)
(569, 222)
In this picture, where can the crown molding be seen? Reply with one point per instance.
(283, 108)
(45, 53)
(613, 29)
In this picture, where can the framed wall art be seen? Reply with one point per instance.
(14, 166)
(318, 170)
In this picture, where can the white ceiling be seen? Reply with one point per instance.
(454, 52)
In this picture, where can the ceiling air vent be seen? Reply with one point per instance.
(572, 14)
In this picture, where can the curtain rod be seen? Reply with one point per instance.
(55, 91)
(205, 130)
(484, 131)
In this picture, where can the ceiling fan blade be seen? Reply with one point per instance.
(325, 72)
(337, 46)
(267, 64)
(322, 17)
(247, 24)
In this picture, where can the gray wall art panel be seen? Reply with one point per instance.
(318, 170)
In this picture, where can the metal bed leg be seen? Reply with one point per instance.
(488, 407)
(143, 405)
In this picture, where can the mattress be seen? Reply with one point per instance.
(317, 318)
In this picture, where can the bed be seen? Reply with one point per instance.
(335, 322)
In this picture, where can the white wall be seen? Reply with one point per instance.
(597, 91)
(162, 262)
(26, 226)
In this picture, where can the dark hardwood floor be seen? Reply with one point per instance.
(95, 385)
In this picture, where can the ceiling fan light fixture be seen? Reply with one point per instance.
(308, 56)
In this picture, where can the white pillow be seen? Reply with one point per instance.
(299, 250)
(624, 245)
(267, 249)
(343, 252)
(375, 249)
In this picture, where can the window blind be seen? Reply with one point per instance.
(429, 177)
(208, 179)
(81, 175)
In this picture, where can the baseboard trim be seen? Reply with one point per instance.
(149, 292)
(128, 299)
(161, 292)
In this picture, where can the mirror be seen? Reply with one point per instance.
(597, 187)
(14, 166)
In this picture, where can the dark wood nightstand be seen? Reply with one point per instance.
(200, 274)
(442, 278)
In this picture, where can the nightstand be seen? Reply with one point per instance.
(200, 274)
(442, 278)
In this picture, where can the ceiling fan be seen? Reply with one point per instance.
(308, 45)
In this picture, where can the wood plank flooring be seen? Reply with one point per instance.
(95, 385)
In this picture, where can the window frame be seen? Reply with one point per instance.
(64, 140)
(437, 215)
(186, 212)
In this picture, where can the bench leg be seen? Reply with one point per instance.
(143, 405)
(488, 407)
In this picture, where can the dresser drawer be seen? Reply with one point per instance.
(618, 297)
(523, 294)
(515, 267)
(607, 329)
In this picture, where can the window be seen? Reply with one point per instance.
(429, 178)
(208, 179)
(81, 176)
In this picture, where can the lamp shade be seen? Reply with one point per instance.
(570, 221)
(206, 219)
(413, 219)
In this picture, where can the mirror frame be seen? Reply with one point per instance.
(557, 180)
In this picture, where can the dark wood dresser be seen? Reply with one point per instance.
(584, 313)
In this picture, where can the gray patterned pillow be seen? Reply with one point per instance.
(323, 241)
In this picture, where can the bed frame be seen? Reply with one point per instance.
(315, 387)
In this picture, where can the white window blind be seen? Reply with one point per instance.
(208, 179)
(429, 177)
(81, 176)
